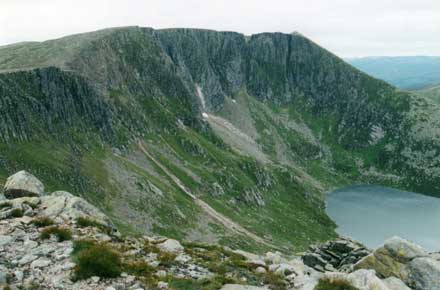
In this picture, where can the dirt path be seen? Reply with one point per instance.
(228, 223)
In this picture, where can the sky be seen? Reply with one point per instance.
(348, 28)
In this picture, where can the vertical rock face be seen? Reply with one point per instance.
(49, 101)
(214, 60)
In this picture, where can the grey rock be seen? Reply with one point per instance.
(22, 184)
(162, 285)
(5, 240)
(403, 250)
(392, 258)
(424, 274)
(171, 246)
(27, 259)
(339, 254)
(3, 275)
(40, 263)
(67, 206)
(395, 284)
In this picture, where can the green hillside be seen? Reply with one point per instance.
(209, 136)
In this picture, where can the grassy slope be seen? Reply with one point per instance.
(306, 155)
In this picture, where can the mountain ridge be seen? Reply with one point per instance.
(257, 127)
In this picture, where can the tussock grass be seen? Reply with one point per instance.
(62, 234)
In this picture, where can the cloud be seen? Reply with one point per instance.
(346, 27)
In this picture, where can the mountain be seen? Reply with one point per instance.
(209, 136)
(405, 72)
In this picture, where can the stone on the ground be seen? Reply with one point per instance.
(67, 206)
(395, 284)
(171, 246)
(162, 285)
(424, 274)
(260, 270)
(340, 254)
(273, 258)
(251, 258)
(22, 184)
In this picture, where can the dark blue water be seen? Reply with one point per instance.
(371, 214)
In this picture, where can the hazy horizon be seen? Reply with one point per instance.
(348, 28)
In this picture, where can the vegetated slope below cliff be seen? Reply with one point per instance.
(257, 127)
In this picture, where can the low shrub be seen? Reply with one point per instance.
(139, 268)
(150, 248)
(31, 204)
(81, 245)
(166, 259)
(334, 284)
(42, 222)
(86, 222)
(274, 280)
(96, 259)
(5, 205)
(17, 212)
(62, 234)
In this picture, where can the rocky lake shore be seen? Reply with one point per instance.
(60, 241)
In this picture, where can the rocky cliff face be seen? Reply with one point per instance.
(194, 133)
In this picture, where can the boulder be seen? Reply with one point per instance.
(22, 184)
(241, 287)
(391, 259)
(273, 258)
(64, 205)
(251, 258)
(395, 284)
(340, 254)
(171, 246)
(402, 250)
(424, 274)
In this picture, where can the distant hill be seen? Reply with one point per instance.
(407, 72)
(432, 92)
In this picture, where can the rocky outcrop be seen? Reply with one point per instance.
(339, 255)
(392, 258)
(424, 273)
(23, 184)
(171, 246)
(399, 258)
(394, 283)
(64, 205)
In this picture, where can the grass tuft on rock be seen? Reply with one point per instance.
(17, 212)
(84, 222)
(334, 284)
(5, 205)
(62, 234)
(96, 259)
(44, 221)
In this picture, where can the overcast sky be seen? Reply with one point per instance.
(346, 27)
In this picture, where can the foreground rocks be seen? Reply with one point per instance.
(23, 184)
(29, 259)
(405, 260)
(339, 255)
